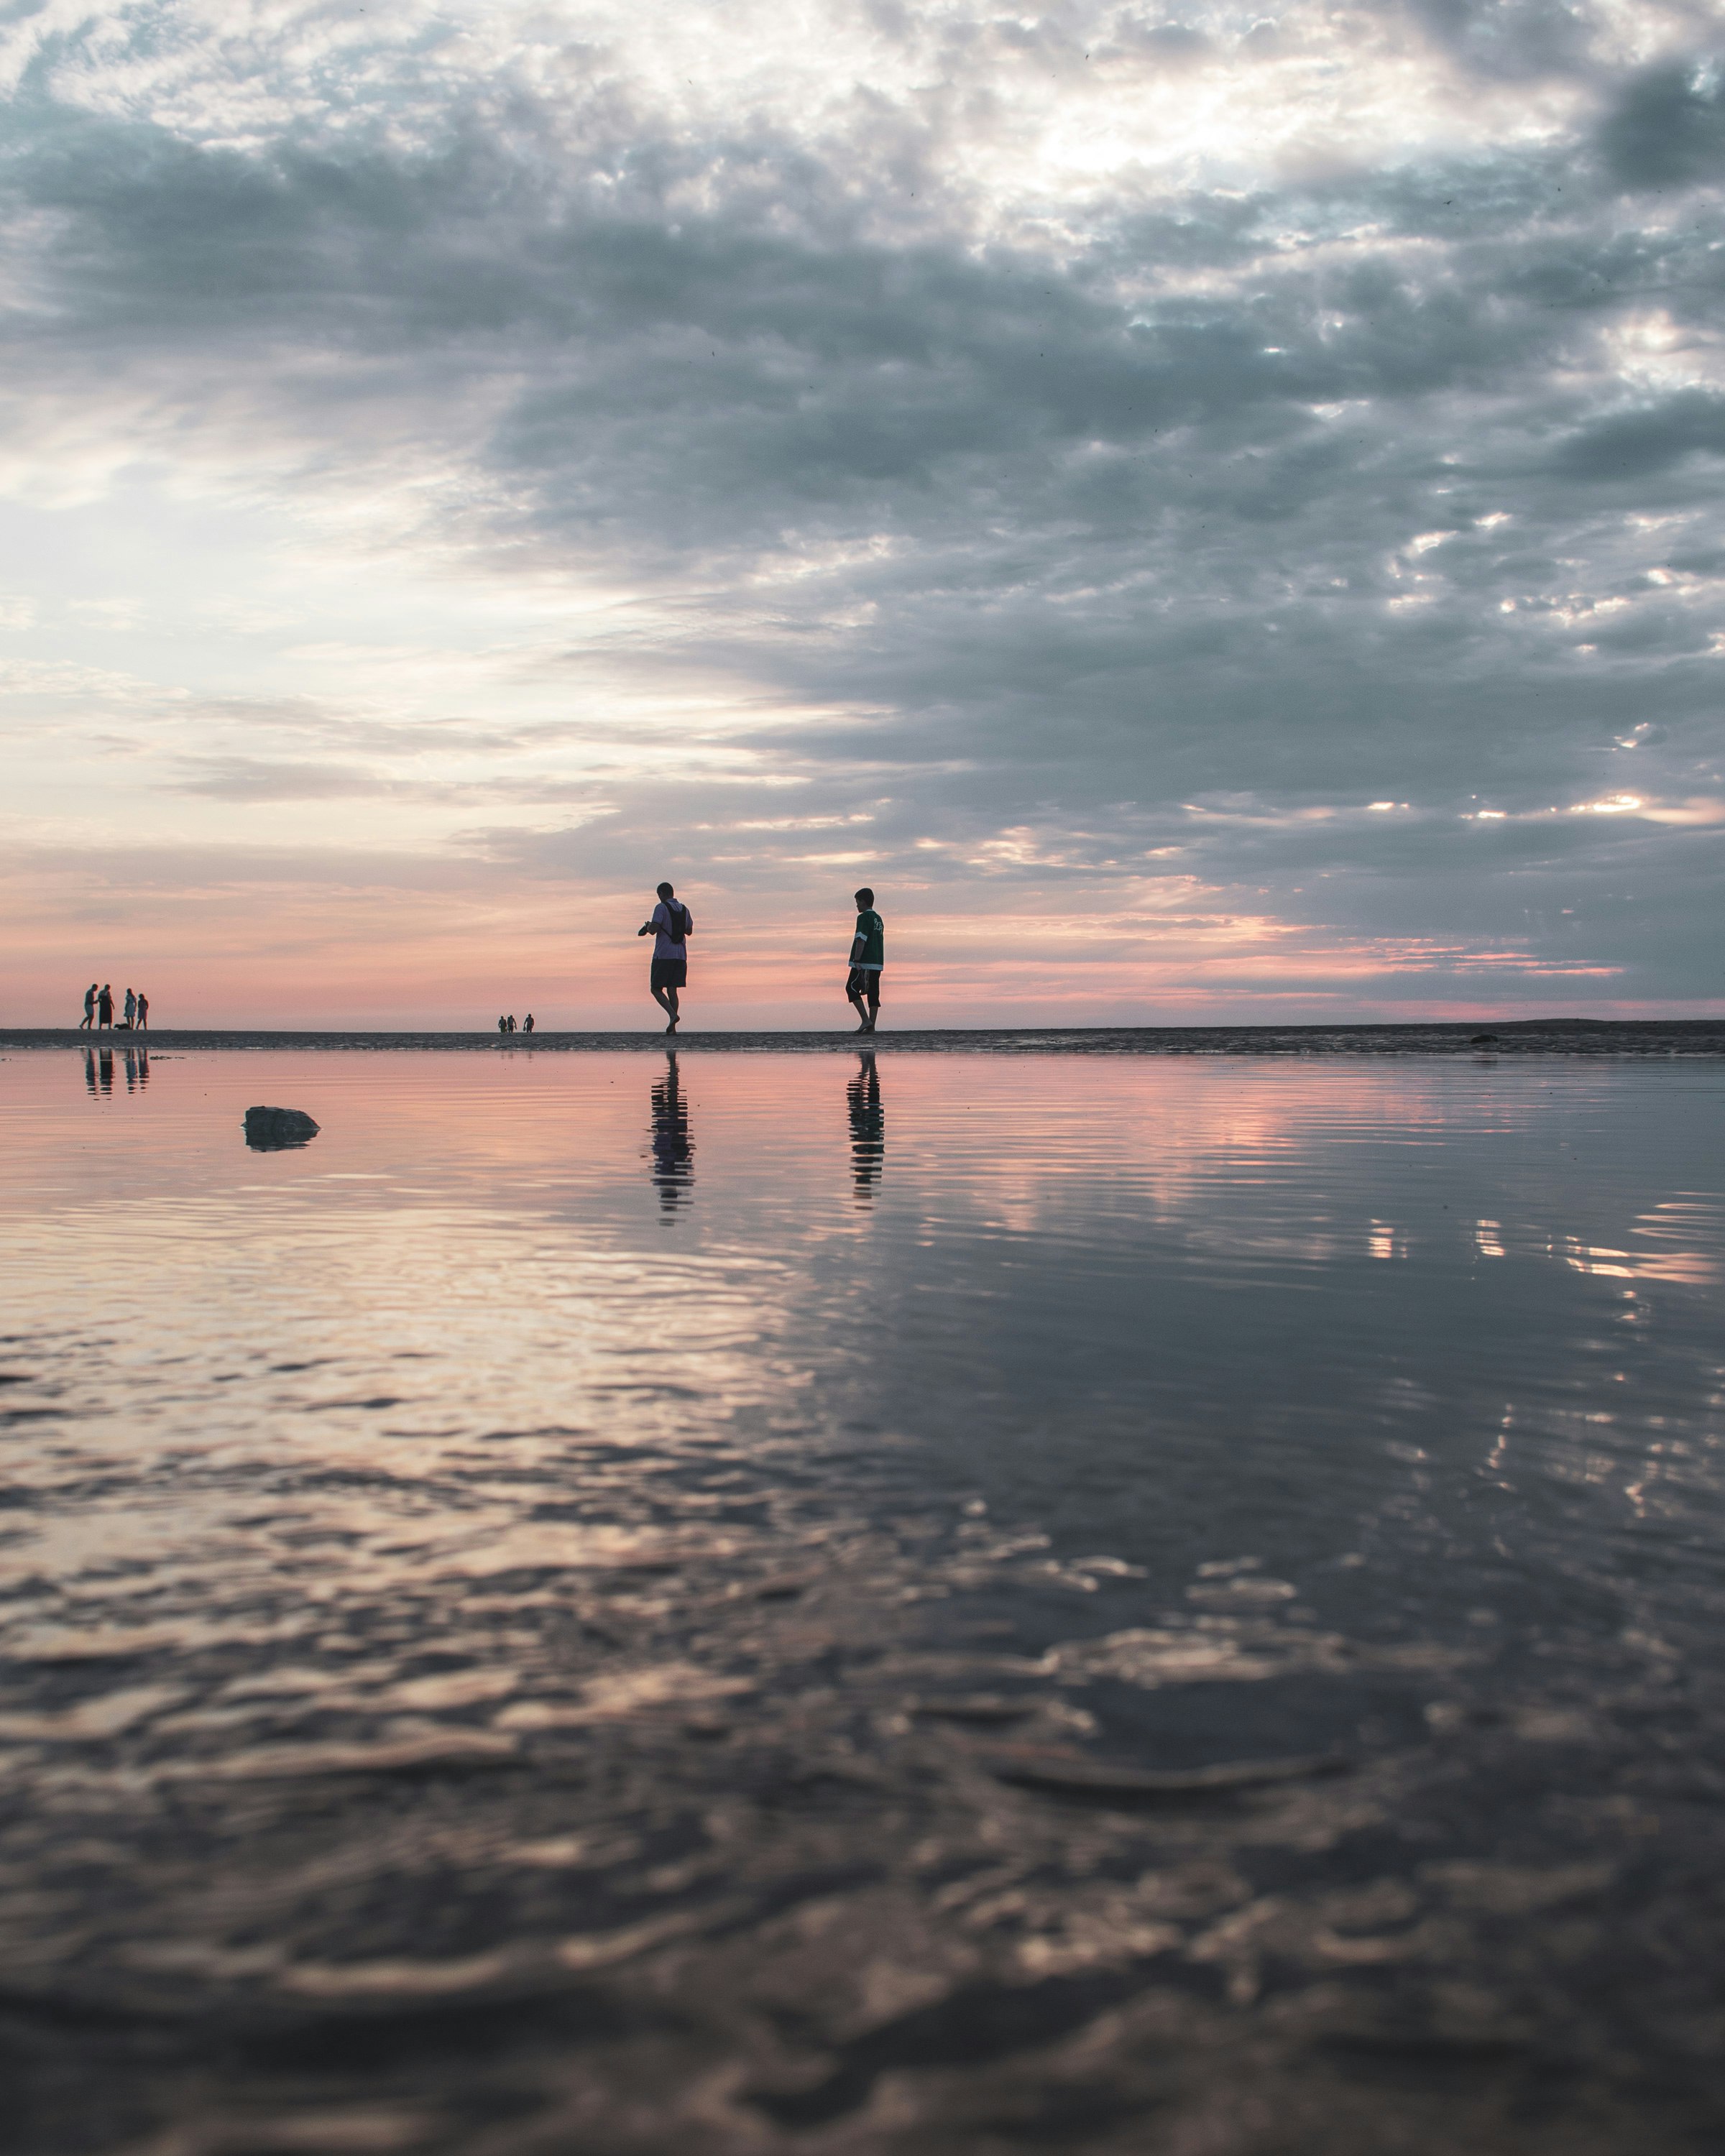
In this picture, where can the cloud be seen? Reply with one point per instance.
(1667, 129)
(251, 778)
(1009, 433)
(1636, 445)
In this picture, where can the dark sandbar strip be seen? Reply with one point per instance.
(1554, 1036)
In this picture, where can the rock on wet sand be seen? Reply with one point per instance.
(272, 1130)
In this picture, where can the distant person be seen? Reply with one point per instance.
(105, 1006)
(868, 954)
(511, 1021)
(528, 1026)
(90, 997)
(503, 1024)
(672, 925)
(143, 1012)
(131, 1007)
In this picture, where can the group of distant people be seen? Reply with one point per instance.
(508, 1024)
(98, 1011)
(671, 924)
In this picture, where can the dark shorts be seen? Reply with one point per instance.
(669, 973)
(865, 981)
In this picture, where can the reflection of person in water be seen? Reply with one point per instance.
(137, 1069)
(673, 1149)
(868, 1127)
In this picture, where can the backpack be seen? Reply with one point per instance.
(677, 915)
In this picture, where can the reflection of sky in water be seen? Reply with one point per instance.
(1145, 1297)
(1236, 1409)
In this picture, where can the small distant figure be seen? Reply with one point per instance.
(143, 1020)
(131, 1007)
(527, 1024)
(502, 1024)
(90, 997)
(511, 1021)
(672, 925)
(868, 955)
(105, 1006)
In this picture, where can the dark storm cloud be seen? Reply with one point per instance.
(1317, 492)
(1668, 128)
(1639, 445)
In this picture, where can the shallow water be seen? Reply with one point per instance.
(942, 1603)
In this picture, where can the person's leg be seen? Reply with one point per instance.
(874, 1002)
(671, 1005)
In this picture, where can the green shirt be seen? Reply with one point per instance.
(872, 931)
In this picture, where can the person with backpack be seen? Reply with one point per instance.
(671, 925)
(868, 955)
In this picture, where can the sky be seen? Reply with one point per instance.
(1212, 513)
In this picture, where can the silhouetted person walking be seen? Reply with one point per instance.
(132, 1009)
(105, 1006)
(868, 955)
(90, 997)
(671, 925)
(143, 1012)
(503, 1024)
(528, 1026)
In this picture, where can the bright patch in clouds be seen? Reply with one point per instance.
(459, 466)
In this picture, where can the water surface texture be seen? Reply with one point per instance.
(619, 1604)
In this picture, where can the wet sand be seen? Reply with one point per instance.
(1542, 1036)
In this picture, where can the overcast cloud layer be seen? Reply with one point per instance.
(1211, 512)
